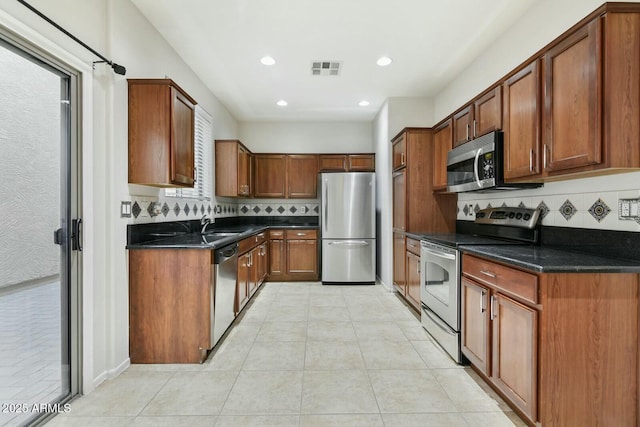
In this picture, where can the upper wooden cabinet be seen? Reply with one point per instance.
(399, 152)
(270, 175)
(442, 144)
(573, 100)
(233, 169)
(346, 163)
(480, 117)
(286, 175)
(522, 112)
(161, 134)
(302, 176)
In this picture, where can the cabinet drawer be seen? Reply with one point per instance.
(302, 234)
(516, 282)
(276, 234)
(251, 242)
(413, 246)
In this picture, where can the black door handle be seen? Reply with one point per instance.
(58, 236)
(76, 240)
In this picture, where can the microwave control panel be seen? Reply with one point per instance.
(486, 166)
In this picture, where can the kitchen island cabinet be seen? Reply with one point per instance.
(552, 343)
(161, 134)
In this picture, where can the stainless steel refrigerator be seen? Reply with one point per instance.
(348, 227)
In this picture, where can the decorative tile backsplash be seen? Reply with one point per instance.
(586, 210)
(150, 209)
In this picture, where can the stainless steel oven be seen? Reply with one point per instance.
(440, 295)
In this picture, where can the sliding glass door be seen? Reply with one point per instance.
(40, 234)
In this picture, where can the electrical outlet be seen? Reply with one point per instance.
(125, 209)
(629, 209)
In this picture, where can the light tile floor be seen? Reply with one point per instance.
(304, 354)
(30, 349)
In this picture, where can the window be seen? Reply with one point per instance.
(204, 160)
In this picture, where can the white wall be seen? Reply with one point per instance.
(116, 29)
(307, 137)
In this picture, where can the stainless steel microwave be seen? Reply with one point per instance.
(478, 165)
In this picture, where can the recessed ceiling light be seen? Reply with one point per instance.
(282, 103)
(363, 103)
(267, 60)
(383, 61)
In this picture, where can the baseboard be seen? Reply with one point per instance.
(386, 287)
(112, 373)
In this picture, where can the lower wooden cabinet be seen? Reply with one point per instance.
(252, 268)
(293, 255)
(552, 343)
(413, 279)
(169, 305)
(399, 266)
(406, 268)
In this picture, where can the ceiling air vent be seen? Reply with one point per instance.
(325, 68)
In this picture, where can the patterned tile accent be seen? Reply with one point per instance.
(176, 209)
(522, 205)
(268, 209)
(256, 209)
(293, 209)
(599, 210)
(476, 208)
(186, 209)
(135, 209)
(165, 209)
(465, 210)
(243, 209)
(504, 205)
(152, 209)
(544, 209)
(316, 209)
(280, 210)
(568, 210)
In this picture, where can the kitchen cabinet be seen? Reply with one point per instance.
(277, 255)
(234, 168)
(480, 117)
(573, 99)
(412, 274)
(522, 112)
(442, 144)
(286, 175)
(302, 176)
(161, 134)
(170, 294)
(302, 254)
(415, 206)
(293, 254)
(270, 175)
(251, 268)
(549, 343)
(346, 162)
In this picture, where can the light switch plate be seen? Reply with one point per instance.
(125, 209)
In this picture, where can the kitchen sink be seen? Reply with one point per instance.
(214, 233)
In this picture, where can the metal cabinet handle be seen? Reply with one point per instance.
(531, 160)
(475, 134)
(301, 234)
(544, 156)
(195, 174)
(482, 306)
(402, 158)
(492, 314)
(467, 132)
(488, 273)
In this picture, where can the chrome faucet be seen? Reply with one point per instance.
(204, 222)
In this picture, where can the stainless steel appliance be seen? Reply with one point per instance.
(225, 266)
(347, 227)
(440, 266)
(479, 165)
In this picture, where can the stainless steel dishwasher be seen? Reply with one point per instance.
(225, 269)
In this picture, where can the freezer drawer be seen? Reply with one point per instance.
(349, 260)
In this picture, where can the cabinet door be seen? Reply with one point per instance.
(362, 162)
(244, 171)
(442, 142)
(276, 258)
(332, 163)
(399, 271)
(302, 176)
(399, 152)
(399, 192)
(413, 280)
(263, 264)
(572, 94)
(487, 113)
(302, 257)
(475, 324)
(182, 140)
(242, 285)
(515, 335)
(462, 121)
(522, 110)
(270, 175)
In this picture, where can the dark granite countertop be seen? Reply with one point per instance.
(186, 234)
(553, 259)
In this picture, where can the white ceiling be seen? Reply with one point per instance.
(429, 41)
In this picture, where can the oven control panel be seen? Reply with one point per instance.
(513, 217)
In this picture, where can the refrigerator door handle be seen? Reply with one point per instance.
(325, 187)
(350, 243)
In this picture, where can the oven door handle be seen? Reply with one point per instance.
(440, 255)
(476, 171)
(439, 323)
